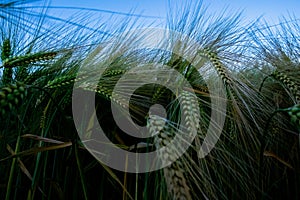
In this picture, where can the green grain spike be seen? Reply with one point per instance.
(213, 58)
(287, 82)
(114, 72)
(6, 50)
(29, 59)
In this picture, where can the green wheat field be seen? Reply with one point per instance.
(257, 64)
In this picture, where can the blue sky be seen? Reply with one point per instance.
(270, 9)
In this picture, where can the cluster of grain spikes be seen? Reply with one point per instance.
(11, 96)
(9, 62)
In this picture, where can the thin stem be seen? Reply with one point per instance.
(80, 171)
(12, 171)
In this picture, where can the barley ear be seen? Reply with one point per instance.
(213, 58)
(288, 83)
(114, 72)
(29, 59)
(6, 50)
(5, 55)
(62, 81)
(174, 174)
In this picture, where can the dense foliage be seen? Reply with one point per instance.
(257, 65)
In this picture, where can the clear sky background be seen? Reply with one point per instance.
(271, 10)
